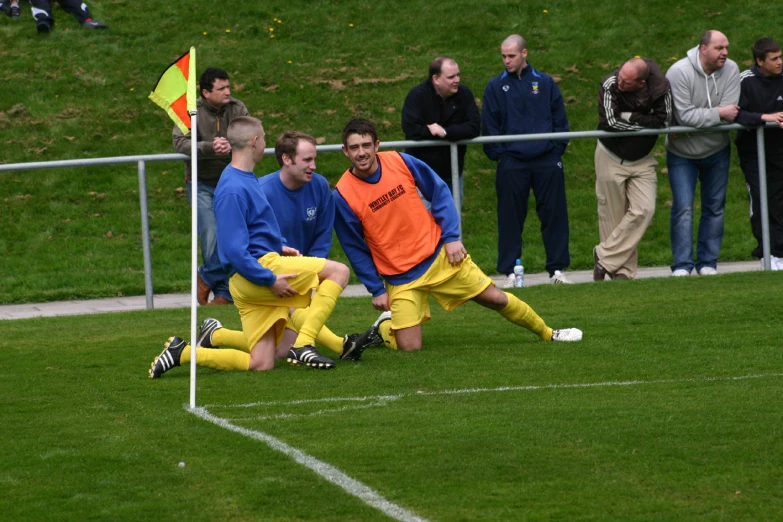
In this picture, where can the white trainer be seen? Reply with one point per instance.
(680, 272)
(567, 335)
(559, 278)
(775, 263)
(707, 270)
(508, 282)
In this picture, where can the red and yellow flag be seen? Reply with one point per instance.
(175, 91)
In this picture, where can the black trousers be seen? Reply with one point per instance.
(750, 168)
(513, 181)
(42, 10)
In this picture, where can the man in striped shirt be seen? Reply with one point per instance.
(636, 96)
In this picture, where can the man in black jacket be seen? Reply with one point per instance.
(441, 109)
(761, 101)
(636, 96)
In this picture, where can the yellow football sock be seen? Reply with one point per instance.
(224, 360)
(518, 312)
(225, 338)
(321, 307)
(325, 337)
(388, 336)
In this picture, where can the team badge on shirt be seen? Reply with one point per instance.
(535, 88)
(505, 88)
(311, 213)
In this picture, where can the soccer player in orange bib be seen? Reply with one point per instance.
(402, 253)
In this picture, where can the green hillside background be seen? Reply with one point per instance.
(309, 66)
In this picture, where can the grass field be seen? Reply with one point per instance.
(309, 66)
(668, 410)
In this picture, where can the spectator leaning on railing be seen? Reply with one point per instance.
(761, 101)
(440, 108)
(705, 89)
(636, 96)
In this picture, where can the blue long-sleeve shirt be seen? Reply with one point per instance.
(530, 103)
(350, 231)
(247, 228)
(305, 215)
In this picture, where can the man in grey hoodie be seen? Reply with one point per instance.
(705, 87)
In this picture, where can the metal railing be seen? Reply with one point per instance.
(141, 162)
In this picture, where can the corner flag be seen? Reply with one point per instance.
(175, 91)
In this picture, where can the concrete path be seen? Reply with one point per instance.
(125, 304)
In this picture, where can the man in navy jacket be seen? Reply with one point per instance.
(522, 100)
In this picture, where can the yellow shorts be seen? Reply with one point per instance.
(451, 286)
(260, 309)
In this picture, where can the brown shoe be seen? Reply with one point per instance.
(599, 272)
(202, 292)
(220, 300)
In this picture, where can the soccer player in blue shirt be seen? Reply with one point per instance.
(266, 277)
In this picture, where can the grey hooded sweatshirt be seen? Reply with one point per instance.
(696, 100)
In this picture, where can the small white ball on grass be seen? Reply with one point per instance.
(181, 464)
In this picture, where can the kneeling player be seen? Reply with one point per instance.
(402, 253)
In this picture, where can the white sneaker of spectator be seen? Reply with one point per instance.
(707, 270)
(680, 272)
(508, 282)
(559, 278)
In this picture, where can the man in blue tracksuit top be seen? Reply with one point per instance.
(522, 100)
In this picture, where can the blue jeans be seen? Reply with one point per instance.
(713, 174)
(211, 271)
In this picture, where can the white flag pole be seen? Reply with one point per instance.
(193, 252)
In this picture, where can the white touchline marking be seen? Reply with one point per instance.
(307, 401)
(366, 494)
(280, 416)
(389, 398)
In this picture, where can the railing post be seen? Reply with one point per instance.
(145, 234)
(762, 162)
(455, 184)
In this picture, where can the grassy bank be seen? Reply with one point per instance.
(299, 65)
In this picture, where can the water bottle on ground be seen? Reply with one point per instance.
(519, 275)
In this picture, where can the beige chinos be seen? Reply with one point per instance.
(626, 194)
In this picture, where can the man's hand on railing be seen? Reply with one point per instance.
(728, 112)
(775, 117)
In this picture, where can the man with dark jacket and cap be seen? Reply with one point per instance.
(636, 96)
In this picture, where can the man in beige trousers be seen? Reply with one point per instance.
(636, 96)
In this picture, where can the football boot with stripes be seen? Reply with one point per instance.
(168, 358)
(205, 332)
(355, 344)
(308, 356)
